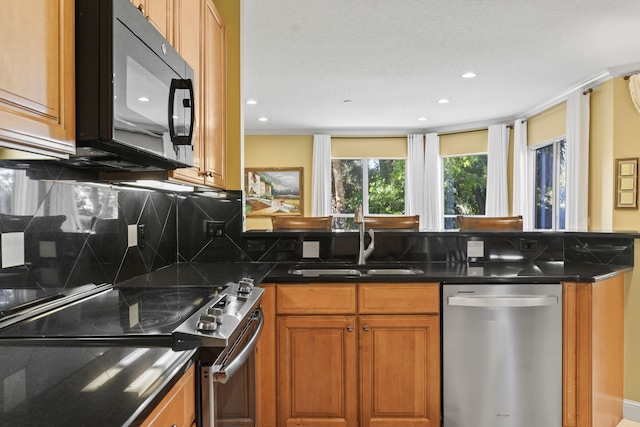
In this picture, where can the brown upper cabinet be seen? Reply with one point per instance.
(37, 82)
(160, 14)
(200, 39)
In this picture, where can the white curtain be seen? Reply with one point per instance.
(433, 218)
(414, 176)
(577, 161)
(321, 176)
(522, 189)
(497, 158)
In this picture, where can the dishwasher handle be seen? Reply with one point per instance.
(503, 300)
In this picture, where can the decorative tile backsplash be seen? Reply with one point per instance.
(59, 228)
(77, 230)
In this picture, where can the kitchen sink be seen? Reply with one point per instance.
(359, 271)
(393, 271)
(316, 272)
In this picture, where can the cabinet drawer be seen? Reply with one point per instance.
(318, 298)
(389, 298)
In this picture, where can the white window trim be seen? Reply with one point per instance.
(531, 164)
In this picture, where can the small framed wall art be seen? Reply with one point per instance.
(627, 183)
(273, 191)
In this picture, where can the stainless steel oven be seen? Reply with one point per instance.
(228, 384)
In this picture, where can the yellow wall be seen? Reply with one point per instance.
(601, 161)
(230, 11)
(547, 125)
(277, 151)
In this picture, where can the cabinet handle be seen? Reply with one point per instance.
(349, 328)
(365, 327)
(141, 9)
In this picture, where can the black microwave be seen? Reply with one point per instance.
(135, 105)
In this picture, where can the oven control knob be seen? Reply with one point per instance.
(244, 289)
(206, 325)
(246, 282)
(216, 313)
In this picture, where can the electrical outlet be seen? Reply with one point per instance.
(528, 244)
(475, 249)
(286, 245)
(141, 238)
(215, 229)
(310, 249)
(132, 235)
(256, 246)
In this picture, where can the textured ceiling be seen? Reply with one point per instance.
(393, 60)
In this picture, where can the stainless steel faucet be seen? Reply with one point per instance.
(363, 253)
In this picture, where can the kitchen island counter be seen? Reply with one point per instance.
(82, 386)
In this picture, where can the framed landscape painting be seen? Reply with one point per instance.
(273, 191)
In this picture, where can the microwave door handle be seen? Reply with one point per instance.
(175, 85)
(223, 374)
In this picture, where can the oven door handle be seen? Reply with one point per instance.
(225, 372)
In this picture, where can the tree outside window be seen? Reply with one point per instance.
(465, 187)
(378, 184)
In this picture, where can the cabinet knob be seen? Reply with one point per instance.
(141, 9)
(349, 328)
(365, 327)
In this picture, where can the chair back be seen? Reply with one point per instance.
(479, 223)
(393, 222)
(301, 222)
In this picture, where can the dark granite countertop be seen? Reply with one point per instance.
(82, 386)
(505, 272)
(205, 274)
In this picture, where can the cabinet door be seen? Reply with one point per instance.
(400, 371)
(160, 14)
(37, 82)
(189, 43)
(317, 383)
(215, 97)
(178, 407)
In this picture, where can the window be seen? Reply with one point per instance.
(376, 183)
(550, 164)
(465, 186)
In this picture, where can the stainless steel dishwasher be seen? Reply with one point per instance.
(502, 355)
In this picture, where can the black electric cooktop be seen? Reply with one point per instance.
(120, 312)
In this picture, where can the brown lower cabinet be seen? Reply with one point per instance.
(593, 353)
(345, 357)
(178, 407)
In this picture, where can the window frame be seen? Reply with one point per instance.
(531, 166)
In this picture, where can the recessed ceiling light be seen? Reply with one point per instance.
(143, 99)
(469, 75)
(443, 101)
(422, 119)
(252, 101)
(263, 119)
